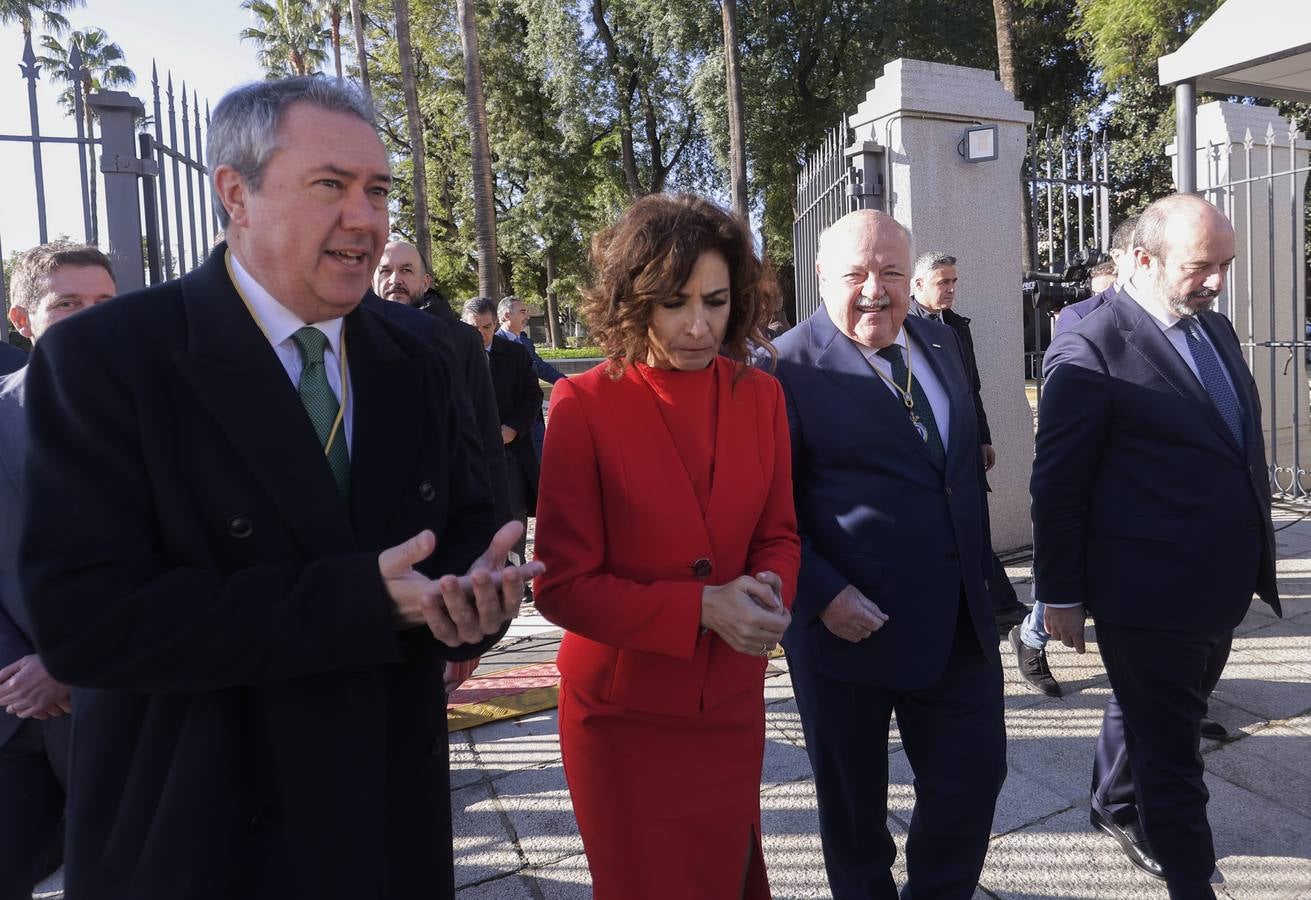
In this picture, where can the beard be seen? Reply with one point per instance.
(1185, 306)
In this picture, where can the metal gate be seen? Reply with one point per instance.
(1067, 188)
(1265, 293)
(148, 242)
(838, 178)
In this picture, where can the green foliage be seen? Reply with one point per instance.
(1124, 37)
(27, 12)
(291, 35)
(103, 61)
(570, 353)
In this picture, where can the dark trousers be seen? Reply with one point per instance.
(518, 501)
(1113, 793)
(954, 737)
(33, 779)
(1162, 680)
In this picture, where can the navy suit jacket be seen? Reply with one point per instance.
(545, 371)
(874, 510)
(11, 358)
(1145, 509)
(250, 722)
(519, 400)
(1071, 314)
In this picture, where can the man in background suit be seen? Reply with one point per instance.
(892, 613)
(934, 284)
(258, 590)
(513, 315)
(402, 278)
(519, 403)
(1151, 511)
(49, 283)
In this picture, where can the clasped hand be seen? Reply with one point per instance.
(461, 610)
(28, 691)
(852, 616)
(748, 613)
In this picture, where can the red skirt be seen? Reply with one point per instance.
(667, 806)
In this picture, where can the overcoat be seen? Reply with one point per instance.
(250, 722)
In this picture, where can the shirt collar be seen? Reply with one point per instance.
(1162, 316)
(279, 323)
(871, 354)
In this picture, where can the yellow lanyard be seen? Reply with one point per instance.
(906, 396)
(341, 356)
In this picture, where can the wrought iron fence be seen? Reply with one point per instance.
(1262, 190)
(1068, 192)
(837, 178)
(148, 242)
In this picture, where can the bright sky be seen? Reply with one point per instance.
(196, 39)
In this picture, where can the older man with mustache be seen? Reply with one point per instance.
(892, 612)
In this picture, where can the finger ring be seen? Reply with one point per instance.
(764, 649)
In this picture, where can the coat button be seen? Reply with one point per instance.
(702, 568)
(948, 490)
(951, 555)
(426, 491)
(240, 527)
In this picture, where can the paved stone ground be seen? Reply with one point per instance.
(515, 835)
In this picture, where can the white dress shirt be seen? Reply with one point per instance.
(280, 323)
(921, 371)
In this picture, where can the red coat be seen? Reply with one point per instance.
(662, 725)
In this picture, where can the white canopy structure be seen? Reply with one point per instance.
(1248, 48)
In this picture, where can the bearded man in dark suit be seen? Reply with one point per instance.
(1151, 512)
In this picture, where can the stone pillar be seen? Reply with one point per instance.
(118, 113)
(919, 111)
(1266, 289)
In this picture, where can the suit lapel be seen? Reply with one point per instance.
(387, 417)
(843, 363)
(1144, 334)
(13, 431)
(238, 379)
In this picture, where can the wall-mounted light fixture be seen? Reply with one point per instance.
(978, 143)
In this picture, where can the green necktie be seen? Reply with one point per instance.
(321, 403)
(922, 414)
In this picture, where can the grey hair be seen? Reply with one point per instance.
(28, 281)
(243, 130)
(505, 306)
(479, 306)
(934, 259)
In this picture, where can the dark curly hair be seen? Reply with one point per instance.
(649, 254)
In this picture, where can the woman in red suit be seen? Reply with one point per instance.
(666, 524)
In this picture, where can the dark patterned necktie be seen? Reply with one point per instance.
(1213, 379)
(321, 403)
(921, 416)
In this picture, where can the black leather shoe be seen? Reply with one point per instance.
(1214, 731)
(1132, 842)
(1033, 665)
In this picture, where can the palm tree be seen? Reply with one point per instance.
(332, 9)
(357, 22)
(484, 198)
(290, 34)
(737, 148)
(422, 235)
(103, 67)
(24, 11)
